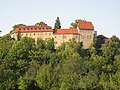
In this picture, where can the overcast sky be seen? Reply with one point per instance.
(104, 14)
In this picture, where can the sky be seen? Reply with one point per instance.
(104, 14)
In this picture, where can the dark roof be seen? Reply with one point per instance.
(102, 37)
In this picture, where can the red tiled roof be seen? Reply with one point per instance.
(35, 26)
(66, 31)
(85, 25)
(33, 29)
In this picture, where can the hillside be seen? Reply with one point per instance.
(25, 65)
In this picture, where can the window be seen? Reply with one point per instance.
(45, 33)
(64, 37)
(23, 28)
(27, 28)
(19, 28)
(83, 37)
(88, 37)
(35, 28)
(82, 31)
(31, 29)
(55, 42)
(30, 34)
(39, 28)
(34, 33)
(76, 37)
(41, 33)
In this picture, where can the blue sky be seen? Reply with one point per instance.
(104, 14)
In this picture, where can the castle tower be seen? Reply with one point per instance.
(86, 30)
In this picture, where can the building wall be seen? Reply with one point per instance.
(38, 35)
(86, 36)
(60, 38)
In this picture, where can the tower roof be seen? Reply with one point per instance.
(85, 25)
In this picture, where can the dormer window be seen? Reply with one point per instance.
(39, 28)
(31, 29)
(23, 28)
(19, 28)
(27, 28)
(35, 28)
(43, 28)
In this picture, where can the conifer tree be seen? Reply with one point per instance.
(57, 24)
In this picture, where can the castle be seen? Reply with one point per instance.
(83, 33)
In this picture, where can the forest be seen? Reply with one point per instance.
(25, 65)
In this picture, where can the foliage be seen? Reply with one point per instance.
(0, 31)
(57, 24)
(41, 24)
(26, 66)
(18, 25)
(75, 23)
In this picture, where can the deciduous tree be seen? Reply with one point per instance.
(41, 24)
(75, 23)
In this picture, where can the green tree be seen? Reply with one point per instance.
(6, 43)
(49, 44)
(33, 68)
(109, 79)
(18, 35)
(27, 84)
(27, 81)
(44, 77)
(57, 24)
(98, 43)
(20, 49)
(6, 77)
(70, 69)
(75, 23)
(45, 44)
(18, 25)
(41, 24)
(6, 74)
(111, 49)
(16, 59)
(0, 31)
(26, 66)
